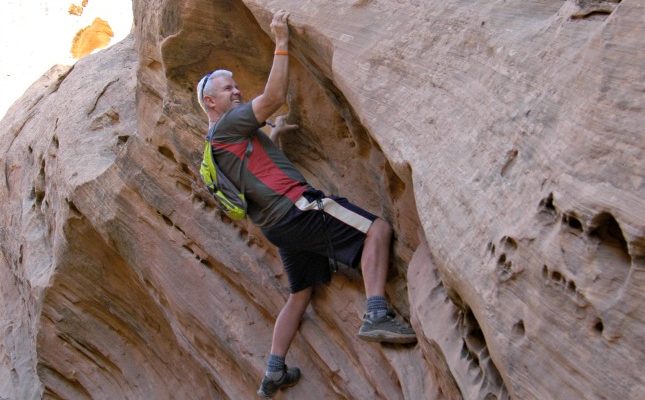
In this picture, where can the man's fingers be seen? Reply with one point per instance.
(290, 127)
(281, 121)
(281, 16)
(282, 125)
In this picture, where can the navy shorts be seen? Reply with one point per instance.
(304, 247)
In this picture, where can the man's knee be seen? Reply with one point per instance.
(380, 229)
(300, 298)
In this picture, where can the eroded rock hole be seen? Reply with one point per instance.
(546, 204)
(481, 366)
(122, 139)
(590, 15)
(573, 222)
(511, 156)
(167, 220)
(611, 260)
(73, 208)
(183, 187)
(505, 271)
(598, 326)
(166, 152)
(547, 211)
(465, 354)
(509, 243)
(188, 249)
(180, 230)
(594, 9)
(475, 338)
(607, 230)
(474, 348)
(518, 329)
(185, 169)
(490, 247)
(438, 292)
(39, 186)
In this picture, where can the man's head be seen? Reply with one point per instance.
(217, 92)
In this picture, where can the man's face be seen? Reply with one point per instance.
(223, 94)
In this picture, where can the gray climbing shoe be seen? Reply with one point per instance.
(269, 386)
(386, 329)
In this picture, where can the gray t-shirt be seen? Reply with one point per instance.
(271, 182)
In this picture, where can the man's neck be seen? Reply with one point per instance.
(213, 118)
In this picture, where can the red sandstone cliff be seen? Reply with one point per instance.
(503, 141)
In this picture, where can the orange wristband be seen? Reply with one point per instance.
(281, 52)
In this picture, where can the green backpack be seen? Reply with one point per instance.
(230, 199)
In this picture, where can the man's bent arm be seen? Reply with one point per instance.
(275, 91)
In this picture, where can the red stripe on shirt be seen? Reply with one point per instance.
(265, 170)
(236, 148)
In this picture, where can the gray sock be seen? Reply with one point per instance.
(275, 367)
(376, 307)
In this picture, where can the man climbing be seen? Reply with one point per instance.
(308, 227)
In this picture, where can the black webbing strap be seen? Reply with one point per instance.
(247, 154)
(333, 265)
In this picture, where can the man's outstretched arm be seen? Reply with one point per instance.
(275, 91)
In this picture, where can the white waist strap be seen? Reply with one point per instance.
(337, 211)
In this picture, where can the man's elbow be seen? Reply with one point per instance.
(264, 106)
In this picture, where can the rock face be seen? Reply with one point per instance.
(502, 140)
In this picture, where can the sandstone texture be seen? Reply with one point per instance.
(502, 140)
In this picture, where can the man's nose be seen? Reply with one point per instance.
(236, 91)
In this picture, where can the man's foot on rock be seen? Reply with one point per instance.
(386, 329)
(270, 386)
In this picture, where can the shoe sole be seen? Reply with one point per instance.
(266, 396)
(387, 337)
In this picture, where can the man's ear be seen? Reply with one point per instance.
(209, 102)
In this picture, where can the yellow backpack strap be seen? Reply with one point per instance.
(207, 169)
(220, 185)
